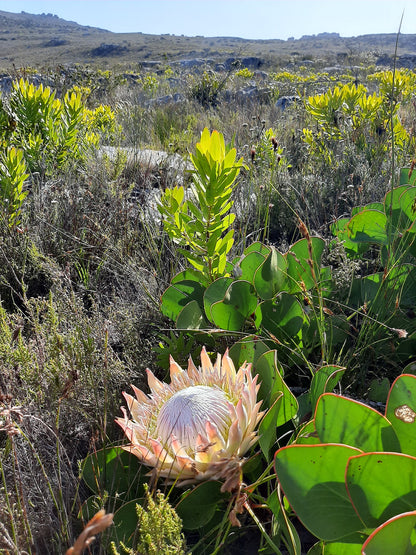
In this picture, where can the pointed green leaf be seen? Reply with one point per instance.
(271, 382)
(270, 278)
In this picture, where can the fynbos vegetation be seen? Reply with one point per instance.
(262, 223)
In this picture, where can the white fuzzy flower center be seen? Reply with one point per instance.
(187, 411)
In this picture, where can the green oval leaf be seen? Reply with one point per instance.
(178, 295)
(397, 536)
(307, 435)
(282, 317)
(215, 292)
(351, 545)
(125, 523)
(248, 349)
(191, 317)
(303, 263)
(312, 478)
(198, 506)
(401, 411)
(368, 226)
(342, 420)
(114, 471)
(238, 303)
(407, 176)
(249, 264)
(268, 425)
(257, 247)
(324, 380)
(271, 384)
(381, 485)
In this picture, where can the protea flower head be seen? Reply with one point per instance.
(199, 426)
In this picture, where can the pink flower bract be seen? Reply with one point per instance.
(199, 426)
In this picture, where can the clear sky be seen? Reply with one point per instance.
(255, 19)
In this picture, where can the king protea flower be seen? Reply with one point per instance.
(199, 426)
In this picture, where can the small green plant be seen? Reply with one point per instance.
(159, 529)
(206, 88)
(245, 73)
(52, 133)
(202, 225)
(12, 179)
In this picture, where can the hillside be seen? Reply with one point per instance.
(47, 40)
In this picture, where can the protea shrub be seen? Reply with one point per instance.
(199, 426)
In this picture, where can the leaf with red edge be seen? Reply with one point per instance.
(312, 478)
(401, 411)
(381, 485)
(351, 545)
(342, 420)
(397, 536)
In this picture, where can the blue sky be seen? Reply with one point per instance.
(256, 19)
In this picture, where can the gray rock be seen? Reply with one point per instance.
(174, 164)
(167, 99)
(284, 101)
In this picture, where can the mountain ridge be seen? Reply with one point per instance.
(45, 39)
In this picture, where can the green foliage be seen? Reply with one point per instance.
(349, 470)
(350, 113)
(150, 83)
(102, 120)
(203, 223)
(197, 507)
(159, 529)
(265, 295)
(388, 229)
(206, 88)
(12, 179)
(52, 133)
(356, 485)
(245, 73)
(116, 480)
(395, 86)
